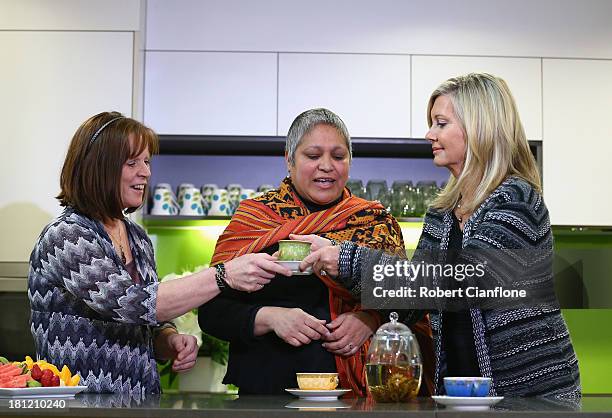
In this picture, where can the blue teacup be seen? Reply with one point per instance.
(467, 386)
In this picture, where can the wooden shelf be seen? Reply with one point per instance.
(174, 221)
(275, 146)
(156, 218)
(411, 219)
(178, 220)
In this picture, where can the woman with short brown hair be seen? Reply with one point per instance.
(97, 305)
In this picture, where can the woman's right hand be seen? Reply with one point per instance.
(250, 272)
(316, 242)
(323, 260)
(292, 325)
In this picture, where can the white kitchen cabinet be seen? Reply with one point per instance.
(523, 76)
(526, 28)
(371, 93)
(577, 105)
(210, 93)
(50, 83)
(69, 15)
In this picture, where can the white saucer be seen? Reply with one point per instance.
(318, 395)
(468, 402)
(294, 266)
(41, 392)
(316, 405)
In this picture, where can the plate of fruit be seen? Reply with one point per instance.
(24, 379)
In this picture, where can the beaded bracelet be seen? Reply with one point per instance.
(220, 277)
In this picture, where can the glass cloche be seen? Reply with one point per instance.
(394, 366)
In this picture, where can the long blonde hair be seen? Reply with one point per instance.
(496, 145)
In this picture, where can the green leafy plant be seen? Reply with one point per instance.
(167, 378)
(214, 348)
(209, 346)
(188, 324)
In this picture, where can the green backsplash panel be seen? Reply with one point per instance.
(185, 244)
(583, 267)
(411, 231)
(591, 335)
(589, 252)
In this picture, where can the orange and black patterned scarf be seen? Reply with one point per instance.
(263, 221)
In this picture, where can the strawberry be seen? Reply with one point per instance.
(55, 381)
(46, 377)
(44, 381)
(36, 373)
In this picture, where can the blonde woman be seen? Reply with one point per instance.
(492, 202)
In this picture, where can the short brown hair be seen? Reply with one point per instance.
(91, 175)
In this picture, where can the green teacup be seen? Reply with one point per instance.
(291, 250)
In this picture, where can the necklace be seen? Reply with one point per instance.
(457, 207)
(119, 241)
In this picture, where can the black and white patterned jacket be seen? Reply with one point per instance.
(526, 351)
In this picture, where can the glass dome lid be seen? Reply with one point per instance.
(393, 329)
(393, 366)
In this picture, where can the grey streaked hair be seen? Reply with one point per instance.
(308, 120)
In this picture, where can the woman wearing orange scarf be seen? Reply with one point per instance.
(301, 323)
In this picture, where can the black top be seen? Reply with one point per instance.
(266, 364)
(457, 330)
(132, 269)
(315, 207)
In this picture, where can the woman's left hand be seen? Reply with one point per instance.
(323, 261)
(349, 331)
(186, 349)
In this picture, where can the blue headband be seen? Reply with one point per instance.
(93, 138)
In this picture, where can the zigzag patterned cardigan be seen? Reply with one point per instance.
(87, 312)
(527, 351)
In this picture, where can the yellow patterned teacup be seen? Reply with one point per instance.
(317, 381)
